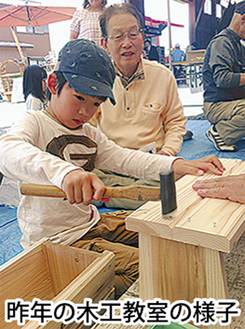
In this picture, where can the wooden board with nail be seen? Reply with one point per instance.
(180, 253)
(212, 223)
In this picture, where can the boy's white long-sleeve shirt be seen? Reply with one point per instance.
(34, 151)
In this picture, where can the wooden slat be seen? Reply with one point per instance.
(181, 263)
(66, 262)
(26, 276)
(211, 223)
(94, 282)
(43, 270)
(174, 271)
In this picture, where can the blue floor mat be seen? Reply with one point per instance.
(10, 234)
(197, 147)
(200, 146)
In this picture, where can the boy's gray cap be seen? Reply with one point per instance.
(87, 68)
(240, 8)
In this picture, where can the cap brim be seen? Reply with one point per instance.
(89, 86)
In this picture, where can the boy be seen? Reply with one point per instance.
(58, 147)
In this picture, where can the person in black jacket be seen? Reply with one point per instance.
(224, 81)
(151, 51)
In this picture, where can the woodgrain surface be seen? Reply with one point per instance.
(180, 253)
(212, 223)
(56, 272)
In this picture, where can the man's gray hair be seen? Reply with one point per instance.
(118, 9)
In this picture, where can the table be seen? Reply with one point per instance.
(193, 73)
(181, 253)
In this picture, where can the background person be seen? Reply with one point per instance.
(34, 87)
(85, 22)
(178, 55)
(151, 51)
(223, 82)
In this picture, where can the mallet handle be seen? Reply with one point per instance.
(134, 192)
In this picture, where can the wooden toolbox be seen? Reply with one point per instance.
(54, 272)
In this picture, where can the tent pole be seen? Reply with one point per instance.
(169, 36)
(17, 43)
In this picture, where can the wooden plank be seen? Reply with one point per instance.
(166, 270)
(189, 271)
(174, 271)
(46, 268)
(94, 282)
(66, 262)
(210, 223)
(25, 276)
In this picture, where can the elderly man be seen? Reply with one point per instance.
(145, 91)
(224, 80)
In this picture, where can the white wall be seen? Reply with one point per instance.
(179, 14)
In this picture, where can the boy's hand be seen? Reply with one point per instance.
(229, 187)
(198, 167)
(82, 186)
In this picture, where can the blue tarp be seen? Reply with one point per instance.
(200, 146)
(9, 234)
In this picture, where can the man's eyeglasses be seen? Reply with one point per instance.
(120, 36)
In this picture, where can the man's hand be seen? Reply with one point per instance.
(229, 187)
(82, 186)
(198, 167)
